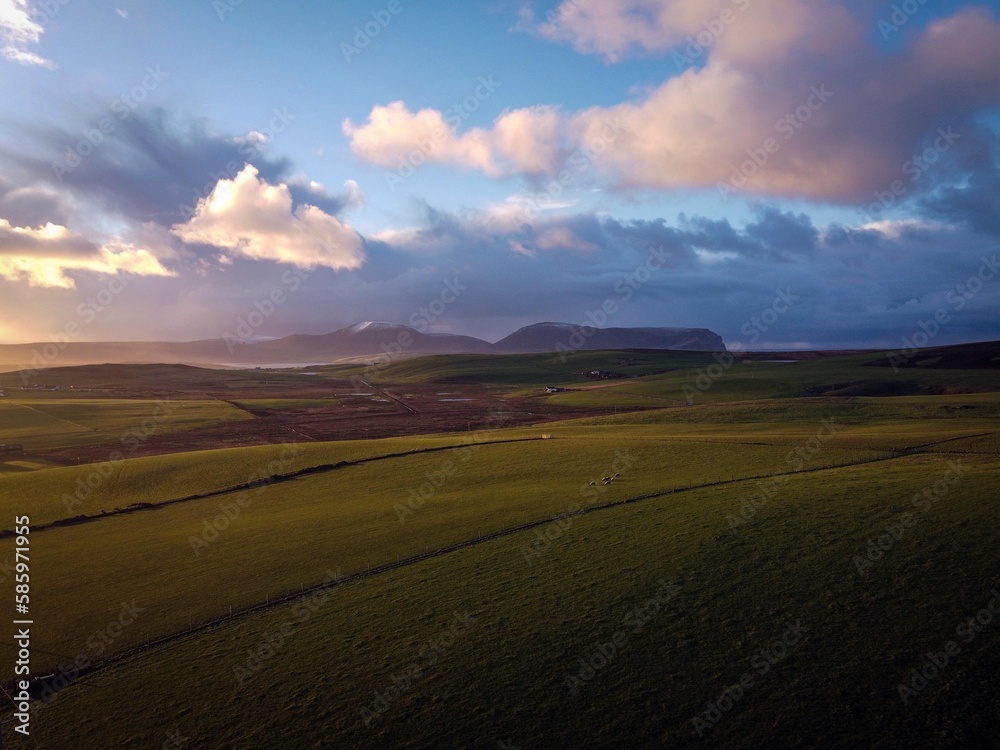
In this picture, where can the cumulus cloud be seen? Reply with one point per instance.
(254, 219)
(751, 32)
(615, 29)
(47, 255)
(840, 123)
(19, 32)
(523, 141)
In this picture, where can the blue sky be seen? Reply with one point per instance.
(244, 140)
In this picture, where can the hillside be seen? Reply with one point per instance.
(560, 337)
(370, 340)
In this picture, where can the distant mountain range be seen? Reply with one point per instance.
(363, 341)
(551, 337)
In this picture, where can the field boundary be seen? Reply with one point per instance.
(39, 687)
(263, 482)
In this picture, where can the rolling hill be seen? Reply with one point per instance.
(363, 340)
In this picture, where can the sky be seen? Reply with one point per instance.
(788, 173)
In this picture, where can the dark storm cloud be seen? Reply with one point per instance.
(850, 286)
(151, 166)
(973, 199)
(783, 235)
(31, 207)
(867, 288)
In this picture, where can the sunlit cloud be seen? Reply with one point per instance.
(523, 141)
(19, 32)
(746, 122)
(249, 217)
(48, 256)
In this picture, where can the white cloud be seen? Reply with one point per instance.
(45, 256)
(615, 28)
(895, 229)
(743, 120)
(251, 218)
(521, 141)
(393, 134)
(739, 30)
(19, 32)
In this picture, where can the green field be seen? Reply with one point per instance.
(59, 422)
(521, 369)
(493, 597)
(287, 403)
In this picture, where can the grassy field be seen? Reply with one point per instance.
(286, 403)
(503, 676)
(522, 369)
(498, 593)
(94, 489)
(352, 513)
(39, 423)
(846, 377)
